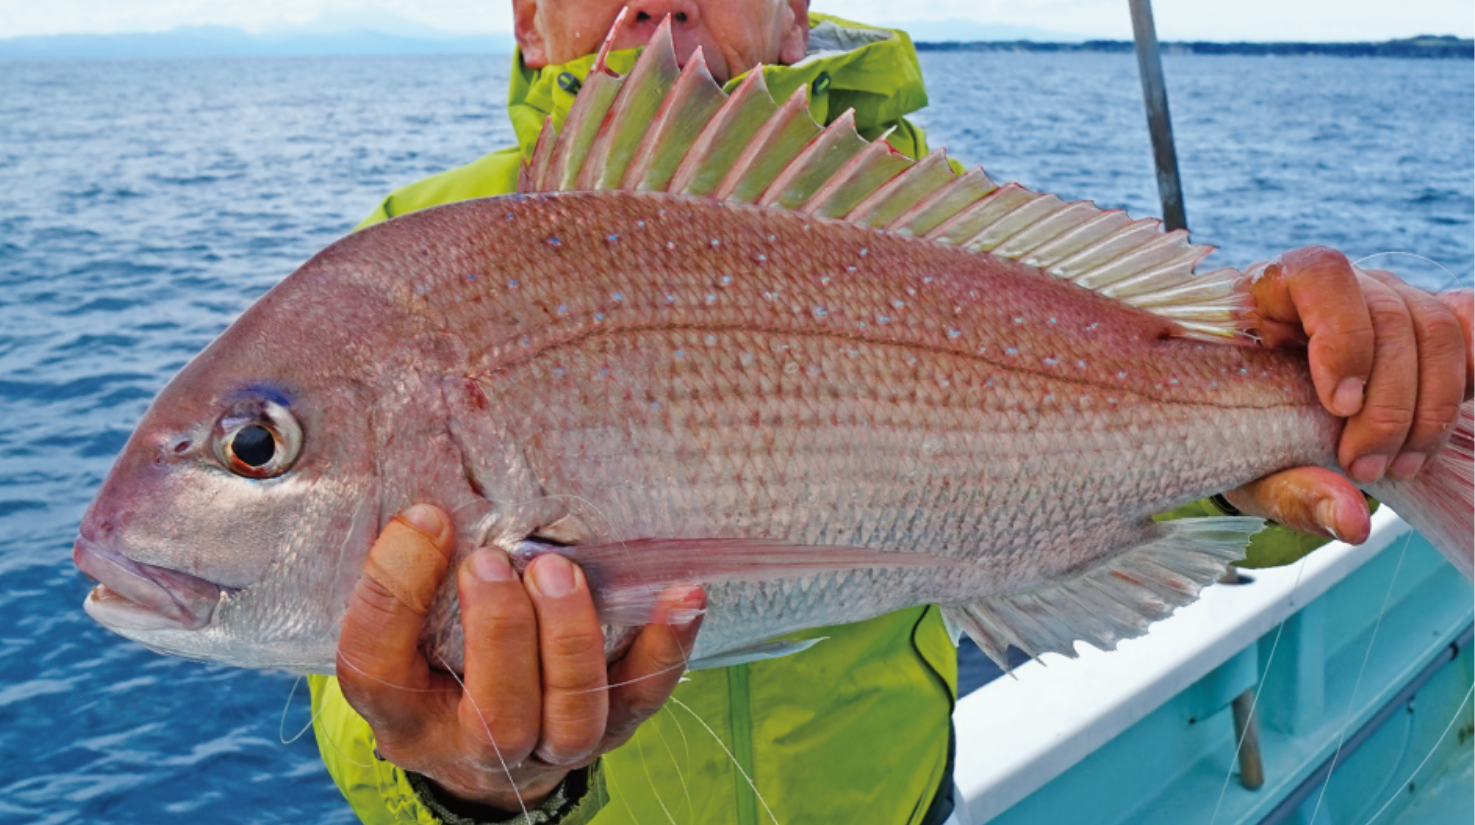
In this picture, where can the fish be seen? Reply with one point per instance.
(712, 342)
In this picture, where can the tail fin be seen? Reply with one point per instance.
(1440, 501)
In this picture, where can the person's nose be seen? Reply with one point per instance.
(684, 13)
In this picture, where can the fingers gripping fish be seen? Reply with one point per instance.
(713, 342)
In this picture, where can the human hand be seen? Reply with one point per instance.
(1393, 360)
(537, 699)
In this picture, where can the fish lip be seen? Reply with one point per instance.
(139, 596)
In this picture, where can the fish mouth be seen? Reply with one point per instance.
(136, 596)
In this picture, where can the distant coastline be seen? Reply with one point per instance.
(409, 39)
(1428, 46)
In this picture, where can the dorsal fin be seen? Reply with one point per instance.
(668, 130)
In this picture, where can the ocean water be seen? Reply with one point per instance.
(144, 204)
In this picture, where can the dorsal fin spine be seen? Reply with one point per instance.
(1030, 238)
(779, 139)
(1094, 254)
(1052, 252)
(693, 101)
(1158, 276)
(876, 164)
(632, 114)
(1006, 226)
(966, 222)
(815, 164)
(1159, 250)
(722, 139)
(947, 201)
(902, 192)
(672, 129)
(580, 128)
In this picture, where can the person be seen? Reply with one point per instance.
(858, 728)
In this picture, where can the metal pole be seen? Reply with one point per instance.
(1155, 95)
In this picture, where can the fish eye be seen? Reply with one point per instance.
(257, 439)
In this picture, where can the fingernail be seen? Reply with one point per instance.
(1369, 468)
(553, 576)
(1326, 517)
(491, 566)
(424, 518)
(1348, 397)
(690, 607)
(1407, 465)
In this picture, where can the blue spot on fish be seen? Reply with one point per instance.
(554, 242)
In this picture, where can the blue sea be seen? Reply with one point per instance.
(144, 204)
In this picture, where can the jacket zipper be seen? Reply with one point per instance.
(742, 744)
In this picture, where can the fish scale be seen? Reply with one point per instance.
(955, 393)
(995, 446)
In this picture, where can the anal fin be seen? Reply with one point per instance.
(1113, 600)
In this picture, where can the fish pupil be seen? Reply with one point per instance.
(253, 446)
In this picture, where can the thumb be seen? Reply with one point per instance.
(380, 641)
(1307, 499)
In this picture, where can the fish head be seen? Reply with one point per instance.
(209, 534)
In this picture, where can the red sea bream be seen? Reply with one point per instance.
(714, 343)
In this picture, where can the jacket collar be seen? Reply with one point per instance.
(849, 66)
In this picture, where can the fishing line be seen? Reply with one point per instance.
(680, 666)
(1458, 711)
(484, 726)
(651, 781)
(360, 671)
(1367, 655)
(1448, 282)
(681, 776)
(735, 762)
(1255, 700)
(328, 736)
(282, 726)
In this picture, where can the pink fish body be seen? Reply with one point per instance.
(823, 399)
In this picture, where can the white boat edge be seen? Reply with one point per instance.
(1015, 735)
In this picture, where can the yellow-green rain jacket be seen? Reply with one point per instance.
(854, 730)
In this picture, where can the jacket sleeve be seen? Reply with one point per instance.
(382, 794)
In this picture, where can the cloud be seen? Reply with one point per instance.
(1176, 19)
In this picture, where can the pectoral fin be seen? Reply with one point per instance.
(771, 649)
(627, 577)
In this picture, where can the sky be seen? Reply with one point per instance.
(1312, 20)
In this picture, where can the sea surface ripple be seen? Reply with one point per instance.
(144, 204)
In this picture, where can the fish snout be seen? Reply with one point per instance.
(136, 596)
